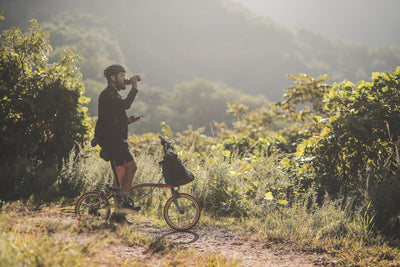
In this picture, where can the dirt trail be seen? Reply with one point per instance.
(229, 245)
(235, 246)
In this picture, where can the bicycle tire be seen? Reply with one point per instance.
(92, 207)
(183, 216)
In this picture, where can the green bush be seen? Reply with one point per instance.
(382, 188)
(42, 112)
(354, 154)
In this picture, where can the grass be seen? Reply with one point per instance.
(35, 247)
(328, 231)
(248, 195)
(43, 238)
(27, 240)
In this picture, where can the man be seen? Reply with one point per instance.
(111, 130)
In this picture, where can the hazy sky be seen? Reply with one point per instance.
(370, 22)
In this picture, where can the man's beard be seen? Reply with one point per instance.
(120, 85)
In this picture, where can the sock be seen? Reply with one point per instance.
(125, 197)
(118, 200)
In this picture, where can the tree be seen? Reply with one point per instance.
(42, 110)
(200, 102)
(286, 123)
(355, 154)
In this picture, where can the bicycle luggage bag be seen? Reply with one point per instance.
(174, 171)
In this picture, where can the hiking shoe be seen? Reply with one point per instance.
(128, 206)
(119, 218)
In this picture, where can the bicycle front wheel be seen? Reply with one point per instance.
(92, 207)
(181, 212)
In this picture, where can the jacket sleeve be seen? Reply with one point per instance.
(118, 101)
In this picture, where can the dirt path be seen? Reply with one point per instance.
(233, 246)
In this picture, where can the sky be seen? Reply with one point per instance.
(369, 22)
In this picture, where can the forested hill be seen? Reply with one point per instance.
(175, 40)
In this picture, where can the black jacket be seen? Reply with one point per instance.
(112, 123)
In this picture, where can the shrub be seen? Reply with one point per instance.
(41, 109)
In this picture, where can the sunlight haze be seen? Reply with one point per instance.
(370, 22)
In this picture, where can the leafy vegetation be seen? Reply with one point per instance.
(41, 108)
(355, 152)
(196, 103)
(318, 169)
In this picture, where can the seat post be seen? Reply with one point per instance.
(114, 169)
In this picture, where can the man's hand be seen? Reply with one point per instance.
(133, 119)
(134, 80)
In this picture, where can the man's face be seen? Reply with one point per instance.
(119, 80)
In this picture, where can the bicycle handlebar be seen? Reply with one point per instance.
(166, 144)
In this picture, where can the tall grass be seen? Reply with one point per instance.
(36, 247)
(258, 196)
(83, 171)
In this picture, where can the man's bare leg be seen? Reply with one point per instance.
(126, 172)
(129, 172)
(121, 173)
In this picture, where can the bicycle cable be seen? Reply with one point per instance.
(151, 191)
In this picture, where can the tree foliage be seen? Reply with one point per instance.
(355, 153)
(346, 137)
(196, 103)
(199, 102)
(41, 103)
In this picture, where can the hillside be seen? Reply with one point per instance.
(176, 40)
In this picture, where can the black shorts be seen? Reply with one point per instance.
(118, 151)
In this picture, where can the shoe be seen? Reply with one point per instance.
(130, 205)
(119, 218)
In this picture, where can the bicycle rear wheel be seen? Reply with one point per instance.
(92, 207)
(181, 212)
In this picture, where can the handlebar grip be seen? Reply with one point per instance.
(163, 141)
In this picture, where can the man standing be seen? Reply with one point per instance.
(111, 130)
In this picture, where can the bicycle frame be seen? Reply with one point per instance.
(141, 185)
(174, 192)
(166, 145)
(114, 169)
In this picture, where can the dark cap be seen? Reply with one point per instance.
(113, 70)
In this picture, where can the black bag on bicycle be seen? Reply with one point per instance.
(174, 171)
